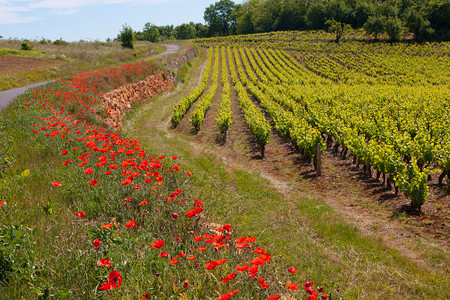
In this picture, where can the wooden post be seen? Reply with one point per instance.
(318, 161)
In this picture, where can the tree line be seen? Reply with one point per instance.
(426, 19)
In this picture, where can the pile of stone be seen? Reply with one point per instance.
(120, 100)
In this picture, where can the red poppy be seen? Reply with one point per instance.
(242, 268)
(221, 262)
(174, 261)
(324, 297)
(131, 223)
(194, 212)
(108, 173)
(174, 157)
(64, 152)
(186, 284)
(211, 265)
(115, 280)
(202, 249)
(158, 244)
(259, 250)
(56, 183)
(104, 262)
(276, 297)
(262, 283)
(292, 286)
(308, 284)
(96, 244)
(80, 214)
(226, 227)
(175, 215)
(143, 202)
(107, 226)
(198, 238)
(191, 258)
(242, 246)
(189, 173)
(292, 270)
(112, 166)
(93, 182)
(88, 171)
(2, 203)
(163, 254)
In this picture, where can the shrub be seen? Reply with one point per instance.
(26, 46)
(126, 37)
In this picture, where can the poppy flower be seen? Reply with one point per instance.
(115, 280)
(221, 262)
(176, 168)
(244, 245)
(131, 223)
(211, 265)
(64, 152)
(189, 173)
(143, 202)
(227, 296)
(174, 157)
(308, 284)
(253, 269)
(262, 283)
(194, 212)
(186, 284)
(292, 286)
(93, 182)
(158, 244)
(202, 249)
(80, 214)
(242, 268)
(275, 297)
(56, 183)
(191, 258)
(2, 203)
(104, 262)
(112, 166)
(292, 270)
(108, 173)
(96, 244)
(226, 227)
(107, 226)
(175, 215)
(324, 297)
(259, 250)
(88, 171)
(174, 261)
(163, 254)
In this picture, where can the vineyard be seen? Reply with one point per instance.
(384, 106)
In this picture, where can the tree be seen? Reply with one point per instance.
(337, 27)
(185, 32)
(151, 32)
(374, 26)
(417, 24)
(219, 17)
(394, 28)
(315, 15)
(126, 37)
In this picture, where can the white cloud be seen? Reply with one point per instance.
(25, 11)
(12, 14)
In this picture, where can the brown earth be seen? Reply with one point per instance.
(13, 65)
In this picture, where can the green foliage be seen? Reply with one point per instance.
(151, 33)
(185, 32)
(337, 27)
(60, 42)
(126, 37)
(26, 46)
(219, 17)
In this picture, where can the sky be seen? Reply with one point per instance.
(89, 20)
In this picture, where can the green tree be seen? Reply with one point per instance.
(151, 32)
(394, 28)
(220, 18)
(126, 37)
(375, 26)
(417, 24)
(338, 28)
(185, 32)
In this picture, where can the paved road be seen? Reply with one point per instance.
(9, 95)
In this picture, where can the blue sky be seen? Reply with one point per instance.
(74, 20)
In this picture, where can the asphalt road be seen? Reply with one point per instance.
(9, 95)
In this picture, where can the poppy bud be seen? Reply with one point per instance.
(186, 284)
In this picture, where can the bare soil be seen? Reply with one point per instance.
(15, 65)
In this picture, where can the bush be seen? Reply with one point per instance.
(60, 42)
(26, 46)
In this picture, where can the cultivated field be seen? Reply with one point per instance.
(280, 166)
